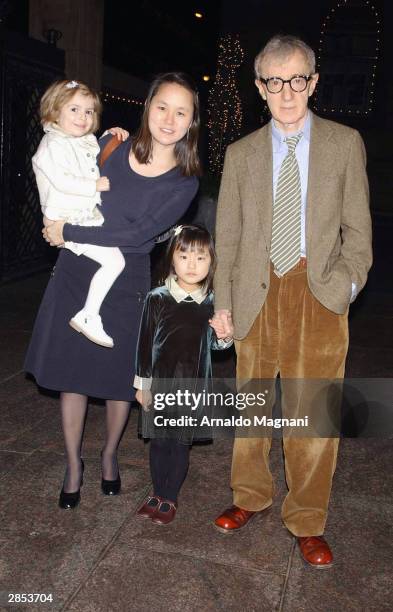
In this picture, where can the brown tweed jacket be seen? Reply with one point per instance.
(338, 224)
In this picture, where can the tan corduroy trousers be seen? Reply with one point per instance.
(296, 336)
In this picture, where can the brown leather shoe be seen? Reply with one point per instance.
(165, 513)
(233, 519)
(316, 552)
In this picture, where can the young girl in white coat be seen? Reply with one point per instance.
(69, 186)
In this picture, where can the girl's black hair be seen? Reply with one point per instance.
(194, 237)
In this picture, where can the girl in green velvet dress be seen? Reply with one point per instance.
(177, 332)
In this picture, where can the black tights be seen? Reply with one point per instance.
(73, 415)
(168, 466)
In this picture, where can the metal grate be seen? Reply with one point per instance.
(23, 81)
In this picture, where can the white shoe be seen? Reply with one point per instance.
(91, 327)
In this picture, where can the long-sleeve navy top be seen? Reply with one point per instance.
(137, 208)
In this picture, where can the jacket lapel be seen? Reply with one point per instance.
(260, 167)
(321, 164)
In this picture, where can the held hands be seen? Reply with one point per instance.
(53, 232)
(222, 324)
(103, 184)
(144, 398)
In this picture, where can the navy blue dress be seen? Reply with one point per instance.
(136, 209)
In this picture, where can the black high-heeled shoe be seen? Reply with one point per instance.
(68, 501)
(111, 487)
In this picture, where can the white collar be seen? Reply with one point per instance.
(180, 295)
(88, 139)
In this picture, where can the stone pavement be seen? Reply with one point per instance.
(100, 557)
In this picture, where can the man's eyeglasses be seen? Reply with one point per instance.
(297, 83)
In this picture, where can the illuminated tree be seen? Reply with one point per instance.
(224, 107)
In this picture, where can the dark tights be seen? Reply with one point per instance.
(168, 466)
(73, 415)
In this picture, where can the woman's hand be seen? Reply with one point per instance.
(119, 132)
(144, 398)
(53, 233)
(103, 184)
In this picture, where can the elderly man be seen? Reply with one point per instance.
(294, 249)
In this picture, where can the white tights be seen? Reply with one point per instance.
(112, 264)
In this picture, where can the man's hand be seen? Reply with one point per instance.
(103, 184)
(222, 324)
(144, 398)
(53, 233)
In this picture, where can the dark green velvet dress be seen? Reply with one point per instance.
(173, 355)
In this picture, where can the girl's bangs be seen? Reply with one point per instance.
(194, 245)
(188, 241)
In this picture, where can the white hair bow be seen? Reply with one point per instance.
(72, 84)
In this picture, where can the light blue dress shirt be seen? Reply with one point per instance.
(302, 151)
(280, 150)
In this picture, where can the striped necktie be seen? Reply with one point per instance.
(286, 229)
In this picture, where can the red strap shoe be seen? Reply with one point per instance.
(165, 512)
(149, 507)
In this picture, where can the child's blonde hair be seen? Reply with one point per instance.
(61, 92)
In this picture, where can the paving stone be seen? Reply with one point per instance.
(135, 579)
(361, 578)
(46, 549)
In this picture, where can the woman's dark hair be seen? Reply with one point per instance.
(191, 237)
(186, 150)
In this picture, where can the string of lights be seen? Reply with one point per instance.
(327, 27)
(224, 103)
(109, 97)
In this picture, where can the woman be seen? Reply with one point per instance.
(153, 180)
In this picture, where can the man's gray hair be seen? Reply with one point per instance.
(281, 47)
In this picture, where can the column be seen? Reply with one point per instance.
(81, 24)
